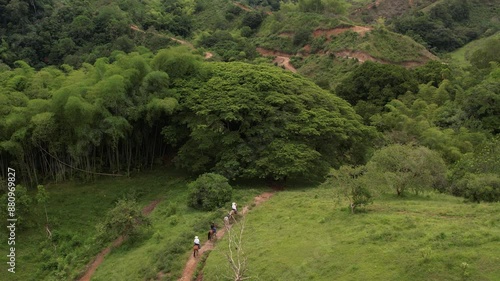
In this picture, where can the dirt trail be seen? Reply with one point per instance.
(92, 267)
(182, 42)
(192, 262)
(282, 59)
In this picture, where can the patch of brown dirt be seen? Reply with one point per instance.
(208, 55)
(287, 34)
(262, 198)
(281, 59)
(363, 56)
(92, 267)
(243, 7)
(307, 49)
(182, 42)
(285, 62)
(192, 262)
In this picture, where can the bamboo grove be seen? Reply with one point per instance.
(133, 111)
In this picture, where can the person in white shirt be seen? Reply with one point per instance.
(197, 242)
(233, 207)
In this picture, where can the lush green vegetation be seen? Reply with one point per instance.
(93, 89)
(76, 209)
(450, 24)
(209, 192)
(462, 56)
(303, 234)
(132, 111)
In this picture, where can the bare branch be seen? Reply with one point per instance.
(237, 259)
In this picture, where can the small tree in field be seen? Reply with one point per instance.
(348, 183)
(235, 254)
(406, 167)
(209, 192)
(126, 219)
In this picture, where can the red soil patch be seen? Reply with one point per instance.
(282, 59)
(285, 62)
(192, 262)
(92, 267)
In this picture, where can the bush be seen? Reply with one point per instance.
(406, 167)
(350, 184)
(209, 191)
(124, 219)
(253, 19)
(479, 187)
(302, 37)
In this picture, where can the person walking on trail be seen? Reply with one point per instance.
(197, 242)
(234, 208)
(213, 228)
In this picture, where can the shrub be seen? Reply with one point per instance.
(350, 184)
(406, 167)
(125, 219)
(253, 19)
(302, 36)
(209, 191)
(23, 209)
(479, 187)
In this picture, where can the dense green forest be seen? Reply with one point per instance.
(93, 89)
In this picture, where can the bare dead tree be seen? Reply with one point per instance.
(235, 254)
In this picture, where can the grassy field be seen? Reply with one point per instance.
(166, 250)
(74, 210)
(299, 234)
(461, 56)
(304, 235)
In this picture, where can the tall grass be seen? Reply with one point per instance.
(303, 235)
(461, 57)
(74, 210)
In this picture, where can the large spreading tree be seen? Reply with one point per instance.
(261, 122)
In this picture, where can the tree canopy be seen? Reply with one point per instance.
(258, 121)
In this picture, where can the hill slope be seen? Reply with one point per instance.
(302, 235)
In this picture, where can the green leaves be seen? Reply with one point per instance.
(351, 183)
(404, 167)
(176, 62)
(268, 124)
(124, 219)
(209, 192)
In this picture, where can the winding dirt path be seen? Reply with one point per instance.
(241, 6)
(180, 41)
(192, 262)
(282, 59)
(92, 267)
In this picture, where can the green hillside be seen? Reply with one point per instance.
(132, 125)
(463, 55)
(304, 234)
(76, 209)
